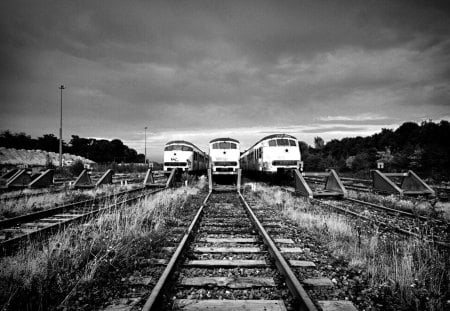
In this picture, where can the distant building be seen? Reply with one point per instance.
(384, 158)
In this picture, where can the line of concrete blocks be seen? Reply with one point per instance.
(84, 181)
(20, 178)
(149, 180)
(411, 184)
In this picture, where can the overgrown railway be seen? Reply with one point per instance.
(18, 230)
(237, 257)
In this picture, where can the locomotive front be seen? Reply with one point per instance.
(224, 156)
(178, 154)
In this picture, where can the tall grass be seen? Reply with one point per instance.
(421, 206)
(409, 272)
(28, 204)
(45, 276)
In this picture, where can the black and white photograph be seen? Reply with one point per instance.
(257, 155)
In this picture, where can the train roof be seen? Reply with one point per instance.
(184, 142)
(224, 139)
(271, 137)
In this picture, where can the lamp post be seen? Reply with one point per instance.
(145, 145)
(60, 130)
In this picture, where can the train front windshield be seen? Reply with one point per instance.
(282, 143)
(224, 145)
(178, 147)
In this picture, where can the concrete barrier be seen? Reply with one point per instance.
(411, 184)
(20, 179)
(45, 179)
(106, 178)
(83, 181)
(333, 185)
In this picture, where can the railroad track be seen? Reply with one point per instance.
(430, 229)
(235, 257)
(18, 230)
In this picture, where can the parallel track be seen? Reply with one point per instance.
(227, 246)
(431, 230)
(18, 230)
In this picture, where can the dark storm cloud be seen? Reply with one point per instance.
(187, 65)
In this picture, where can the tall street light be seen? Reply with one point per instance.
(60, 130)
(145, 145)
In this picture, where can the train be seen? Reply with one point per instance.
(224, 156)
(184, 155)
(272, 154)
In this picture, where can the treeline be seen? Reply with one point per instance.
(424, 148)
(100, 151)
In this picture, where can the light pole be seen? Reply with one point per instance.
(145, 145)
(60, 130)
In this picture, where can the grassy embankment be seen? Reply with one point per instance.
(43, 277)
(401, 274)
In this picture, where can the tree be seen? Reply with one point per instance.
(48, 142)
(318, 142)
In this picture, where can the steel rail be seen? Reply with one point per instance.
(387, 209)
(8, 245)
(383, 224)
(55, 210)
(397, 212)
(155, 296)
(293, 283)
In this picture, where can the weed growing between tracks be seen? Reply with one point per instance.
(48, 276)
(422, 207)
(375, 269)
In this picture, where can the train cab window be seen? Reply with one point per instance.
(282, 142)
(224, 145)
(186, 148)
(292, 143)
(168, 148)
(272, 143)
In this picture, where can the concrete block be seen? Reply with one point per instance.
(83, 181)
(106, 178)
(148, 180)
(45, 179)
(20, 179)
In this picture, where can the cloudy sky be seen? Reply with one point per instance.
(198, 70)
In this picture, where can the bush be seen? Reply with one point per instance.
(76, 168)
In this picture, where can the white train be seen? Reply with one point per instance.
(272, 154)
(224, 156)
(185, 156)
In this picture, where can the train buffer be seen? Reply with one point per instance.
(333, 185)
(403, 184)
(84, 181)
(229, 184)
(161, 179)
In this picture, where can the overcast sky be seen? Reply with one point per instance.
(199, 70)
